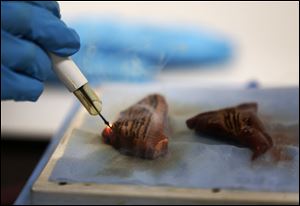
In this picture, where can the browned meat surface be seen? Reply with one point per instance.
(139, 130)
(239, 123)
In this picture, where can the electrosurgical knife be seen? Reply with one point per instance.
(71, 76)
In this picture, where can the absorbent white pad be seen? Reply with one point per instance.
(192, 161)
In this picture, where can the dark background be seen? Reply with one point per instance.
(18, 160)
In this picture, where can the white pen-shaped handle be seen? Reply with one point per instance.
(68, 72)
(70, 75)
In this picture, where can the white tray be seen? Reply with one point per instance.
(47, 192)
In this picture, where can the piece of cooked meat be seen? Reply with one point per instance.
(139, 130)
(239, 123)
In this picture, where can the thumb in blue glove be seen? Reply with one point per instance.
(28, 31)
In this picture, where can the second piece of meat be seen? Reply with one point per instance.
(239, 123)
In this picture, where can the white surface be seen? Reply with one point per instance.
(266, 36)
(68, 72)
(193, 160)
(25, 197)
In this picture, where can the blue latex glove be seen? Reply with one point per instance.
(112, 50)
(28, 31)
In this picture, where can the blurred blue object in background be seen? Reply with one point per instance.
(118, 51)
(253, 84)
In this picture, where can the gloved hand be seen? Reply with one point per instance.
(28, 31)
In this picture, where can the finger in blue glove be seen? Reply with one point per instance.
(24, 57)
(40, 26)
(19, 87)
(28, 31)
(51, 6)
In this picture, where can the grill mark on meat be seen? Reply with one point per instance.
(140, 129)
(141, 123)
(154, 101)
(227, 121)
(238, 123)
(146, 126)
